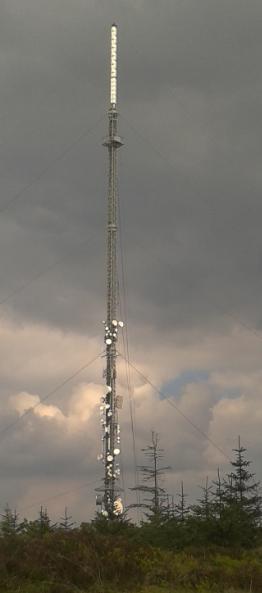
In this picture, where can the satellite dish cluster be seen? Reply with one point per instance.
(109, 403)
(106, 411)
(111, 332)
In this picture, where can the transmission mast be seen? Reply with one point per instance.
(110, 500)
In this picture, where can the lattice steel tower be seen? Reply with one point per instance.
(110, 500)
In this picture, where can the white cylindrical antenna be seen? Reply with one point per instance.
(113, 76)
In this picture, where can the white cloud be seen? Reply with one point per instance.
(62, 436)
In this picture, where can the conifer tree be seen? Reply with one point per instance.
(154, 503)
(242, 490)
(204, 509)
(240, 513)
(44, 520)
(66, 522)
(41, 525)
(219, 495)
(9, 522)
(168, 507)
(181, 508)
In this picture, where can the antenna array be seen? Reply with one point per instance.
(109, 499)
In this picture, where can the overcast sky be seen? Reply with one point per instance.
(190, 196)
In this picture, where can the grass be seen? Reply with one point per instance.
(47, 587)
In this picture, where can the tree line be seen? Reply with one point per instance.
(211, 546)
(227, 513)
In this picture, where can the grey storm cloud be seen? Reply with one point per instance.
(190, 179)
(190, 198)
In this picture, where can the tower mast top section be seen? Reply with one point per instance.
(113, 74)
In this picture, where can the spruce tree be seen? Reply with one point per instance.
(241, 514)
(168, 509)
(9, 522)
(204, 510)
(242, 490)
(44, 520)
(181, 508)
(66, 522)
(152, 473)
(40, 526)
(219, 495)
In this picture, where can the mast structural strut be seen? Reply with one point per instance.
(109, 499)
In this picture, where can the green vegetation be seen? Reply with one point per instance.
(214, 546)
(87, 560)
